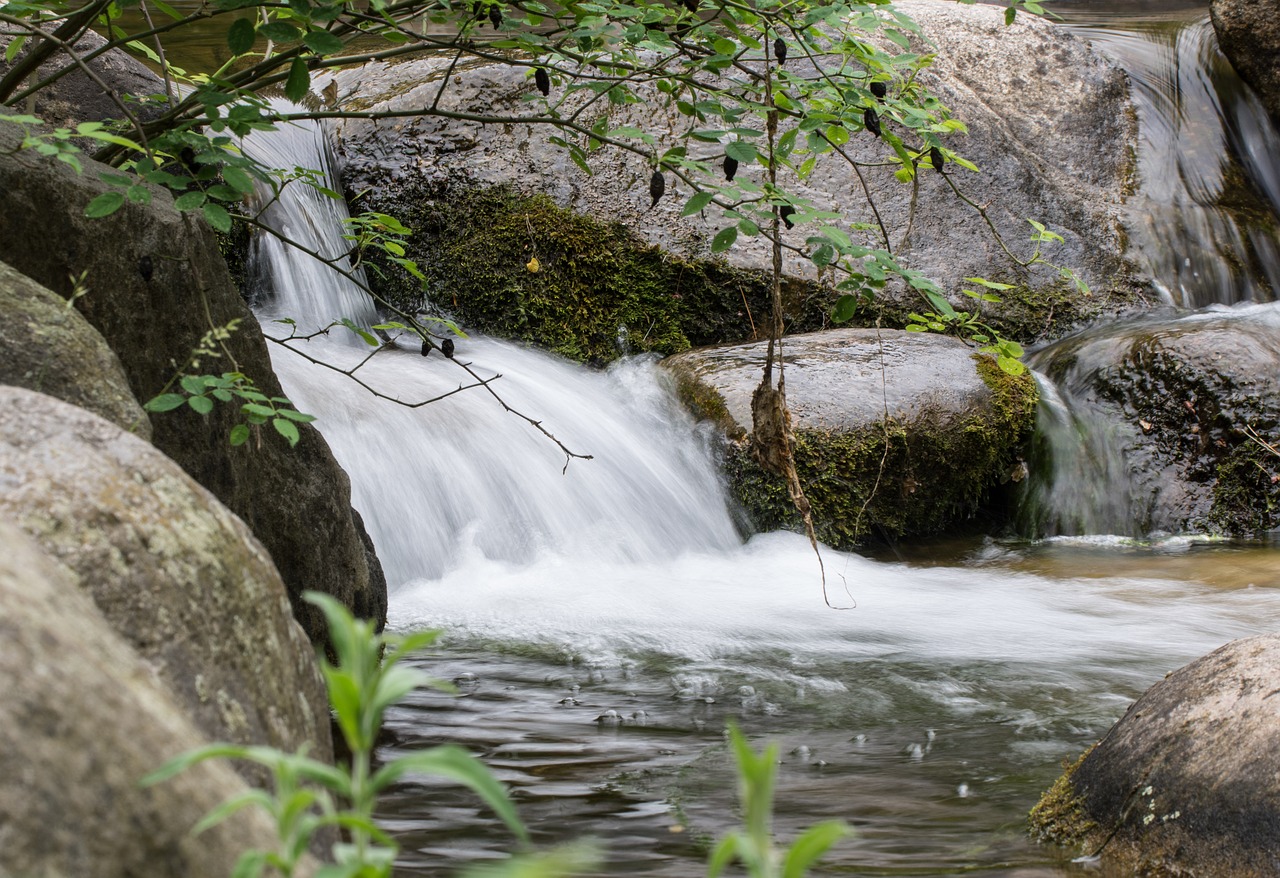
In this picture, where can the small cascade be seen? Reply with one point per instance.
(289, 281)
(1080, 482)
(1204, 219)
(463, 476)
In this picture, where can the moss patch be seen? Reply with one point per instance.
(1246, 495)
(598, 292)
(1060, 816)
(895, 479)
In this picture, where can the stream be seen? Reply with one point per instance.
(603, 624)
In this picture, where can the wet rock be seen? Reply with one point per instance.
(295, 500)
(1249, 34)
(1181, 397)
(172, 571)
(1186, 783)
(83, 720)
(1054, 138)
(48, 347)
(896, 433)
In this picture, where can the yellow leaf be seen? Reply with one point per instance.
(532, 265)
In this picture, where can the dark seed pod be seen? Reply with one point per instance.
(146, 268)
(691, 5)
(542, 80)
(426, 348)
(481, 11)
(495, 16)
(730, 167)
(446, 348)
(785, 213)
(936, 158)
(871, 121)
(879, 89)
(657, 186)
(188, 158)
(780, 51)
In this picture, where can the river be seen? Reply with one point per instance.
(602, 624)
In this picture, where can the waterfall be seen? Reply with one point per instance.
(1204, 219)
(463, 475)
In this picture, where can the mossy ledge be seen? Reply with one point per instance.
(895, 479)
(1060, 816)
(598, 291)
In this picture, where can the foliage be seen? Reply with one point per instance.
(753, 845)
(199, 392)
(781, 84)
(310, 795)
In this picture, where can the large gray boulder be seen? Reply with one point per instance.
(45, 345)
(1175, 401)
(157, 286)
(1188, 782)
(82, 721)
(1050, 125)
(1249, 34)
(897, 433)
(177, 576)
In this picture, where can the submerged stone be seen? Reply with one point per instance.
(896, 433)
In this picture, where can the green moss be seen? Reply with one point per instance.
(894, 479)
(706, 403)
(1246, 500)
(1060, 816)
(598, 291)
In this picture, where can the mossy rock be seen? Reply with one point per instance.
(1195, 395)
(596, 292)
(896, 433)
(1185, 783)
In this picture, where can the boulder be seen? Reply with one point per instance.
(1050, 125)
(82, 721)
(1176, 400)
(172, 571)
(159, 289)
(46, 346)
(1249, 34)
(75, 97)
(1188, 782)
(896, 433)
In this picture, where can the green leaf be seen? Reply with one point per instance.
(322, 42)
(1010, 14)
(238, 179)
(989, 284)
(809, 847)
(287, 429)
(217, 216)
(201, 404)
(190, 200)
(105, 204)
(724, 239)
(299, 81)
(697, 203)
(165, 402)
(846, 307)
(743, 152)
(239, 434)
(280, 32)
(453, 762)
(240, 36)
(14, 48)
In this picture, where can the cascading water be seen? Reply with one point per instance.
(602, 623)
(1206, 229)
